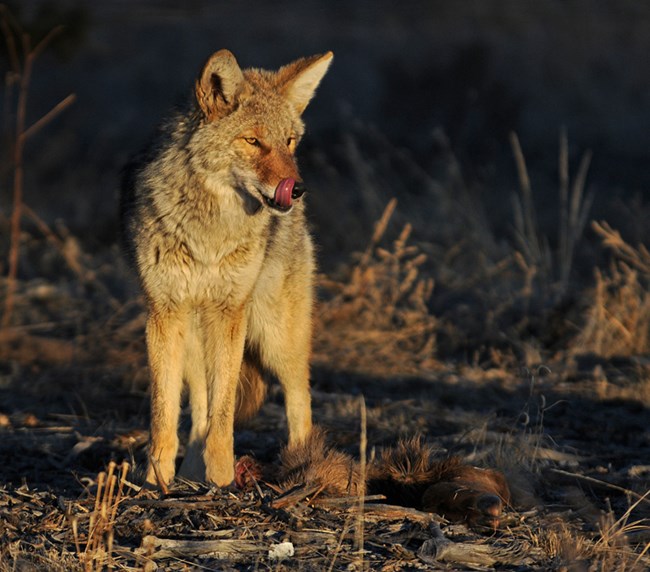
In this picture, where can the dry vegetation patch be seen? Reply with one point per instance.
(379, 313)
(444, 362)
(617, 318)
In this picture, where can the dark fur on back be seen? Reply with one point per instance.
(404, 472)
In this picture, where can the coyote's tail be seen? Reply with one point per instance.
(251, 390)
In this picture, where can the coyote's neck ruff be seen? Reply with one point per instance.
(214, 221)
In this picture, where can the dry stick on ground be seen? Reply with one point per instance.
(228, 549)
(362, 478)
(11, 30)
(628, 492)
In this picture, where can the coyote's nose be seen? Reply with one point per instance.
(298, 190)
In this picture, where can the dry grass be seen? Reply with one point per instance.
(93, 531)
(379, 313)
(564, 545)
(623, 543)
(552, 268)
(617, 318)
(618, 544)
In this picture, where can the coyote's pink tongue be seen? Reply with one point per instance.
(283, 191)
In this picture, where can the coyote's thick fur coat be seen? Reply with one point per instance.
(225, 260)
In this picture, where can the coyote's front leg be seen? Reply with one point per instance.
(282, 333)
(165, 331)
(223, 335)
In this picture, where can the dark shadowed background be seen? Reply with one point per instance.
(404, 71)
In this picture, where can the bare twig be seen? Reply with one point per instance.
(8, 24)
(628, 492)
(42, 45)
(227, 549)
(49, 116)
(16, 214)
(22, 75)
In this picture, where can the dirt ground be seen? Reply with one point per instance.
(571, 434)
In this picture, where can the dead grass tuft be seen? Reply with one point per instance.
(562, 543)
(379, 312)
(617, 319)
(553, 268)
(93, 531)
(614, 549)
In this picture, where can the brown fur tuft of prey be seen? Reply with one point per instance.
(313, 462)
(409, 474)
(404, 472)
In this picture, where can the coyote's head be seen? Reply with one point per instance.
(250, 126)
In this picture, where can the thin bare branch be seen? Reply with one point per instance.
(20, 135)
(49, 116)
(628, 492)
(6, 22)
(38, 49)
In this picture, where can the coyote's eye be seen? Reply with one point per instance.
(251, 140)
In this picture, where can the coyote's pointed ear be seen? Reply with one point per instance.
(298, 80)
(218, 85)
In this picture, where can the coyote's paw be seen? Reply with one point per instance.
(159, 475)
(221, 474)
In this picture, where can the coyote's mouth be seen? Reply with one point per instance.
(276, 205)
(286, 191)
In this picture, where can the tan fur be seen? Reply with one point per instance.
(228, 280)
(313, 462)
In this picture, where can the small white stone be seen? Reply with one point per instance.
(281, 551)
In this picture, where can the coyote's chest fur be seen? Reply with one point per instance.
(197, 254)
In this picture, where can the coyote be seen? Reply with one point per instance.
(214, 223)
